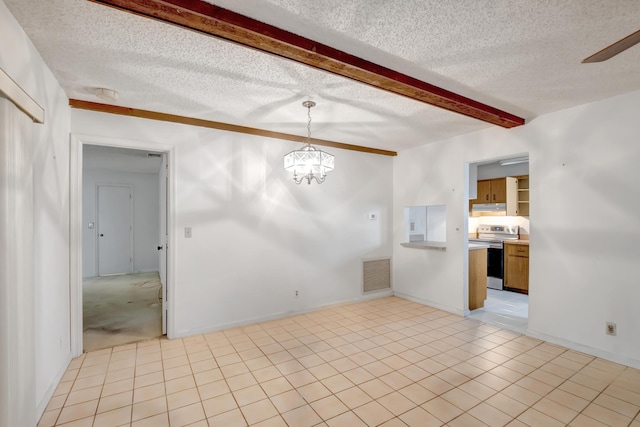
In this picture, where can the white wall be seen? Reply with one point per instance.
(258, 237)
(146, 217)
(584, 206)
(50, 150)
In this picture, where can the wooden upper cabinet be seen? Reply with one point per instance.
(484, 191)
(498, 190)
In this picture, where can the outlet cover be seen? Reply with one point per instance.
(611, 329)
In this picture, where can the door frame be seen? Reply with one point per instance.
(97, 228)
(77, 142)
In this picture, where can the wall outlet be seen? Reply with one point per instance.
(296, 293)
(611, 328)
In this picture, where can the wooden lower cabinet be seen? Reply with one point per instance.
(516, 268)
(477, 278)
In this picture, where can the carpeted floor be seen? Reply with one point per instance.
(121, 309)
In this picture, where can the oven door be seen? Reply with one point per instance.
(495, 268)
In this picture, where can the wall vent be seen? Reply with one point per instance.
(376, 275)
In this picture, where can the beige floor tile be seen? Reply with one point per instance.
(337, 383)
(418, 417)
(113, 418)
(49, 418)
(76, 412)
(314, 391)
(303, 416)
(607, 416)
(177, 372)
(84, 422)
(490, 415)
(149, 408)
(186, 415)
(376, 388)
(442, 409)
(204, 365)
(521, 394)
(533, 417)
(287, 401)
(466, 420)
(115, 401)
(584, 421)
(182, 398)
(329, 407)
(353, 397)
(258, 411)
(397, 403)
(435, 385)
(241, 381)
(276, 421)
(373, 413)
(218, 405)
(179, 384)
(358, 375)
(461, 399)
(148, 368)
(213, 389)
(84, 395)
(620, 406)
(323, 371)
(249, 395)
(266, 374)
(348, 419)
(233, 418)
(234, 369)
(276, 386)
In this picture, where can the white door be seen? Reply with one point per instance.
(115, 230)
(164, 236)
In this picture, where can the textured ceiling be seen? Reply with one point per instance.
(520, 56)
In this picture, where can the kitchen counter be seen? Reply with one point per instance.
(475, 246)
(515, 242)
(425, 244)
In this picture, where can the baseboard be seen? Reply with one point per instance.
(634, 363)
(280, 315)
(42, 405)
(430, 303)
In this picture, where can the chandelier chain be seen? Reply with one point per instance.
(309, 125)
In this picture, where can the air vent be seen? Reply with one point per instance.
(376, 275)
(156, 155)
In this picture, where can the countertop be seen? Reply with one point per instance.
(425, 244)
(515, 242)
(474, 246)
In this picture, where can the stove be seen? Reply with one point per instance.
(495, 235)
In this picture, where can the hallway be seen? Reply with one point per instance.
(121, 309)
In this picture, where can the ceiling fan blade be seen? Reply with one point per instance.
(614, 49)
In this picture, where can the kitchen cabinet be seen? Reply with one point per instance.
(516, 267)
(497, 190)
(477, 277)
(523, 195)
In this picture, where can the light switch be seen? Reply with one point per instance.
(187, 232)
(373, 216)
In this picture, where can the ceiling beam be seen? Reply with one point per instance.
(216, 21)
(154, 115)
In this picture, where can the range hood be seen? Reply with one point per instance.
(489, 207)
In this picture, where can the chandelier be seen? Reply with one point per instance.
(308, 162)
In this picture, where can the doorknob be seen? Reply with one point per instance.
(159, 248)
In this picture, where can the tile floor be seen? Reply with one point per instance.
(387, 362)
(504, 309)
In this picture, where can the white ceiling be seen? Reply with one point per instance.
(522, 56)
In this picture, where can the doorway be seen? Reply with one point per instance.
(120, 278)
(506, 305)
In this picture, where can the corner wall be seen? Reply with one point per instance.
(257, 236)
(50, 165)
(584, 218)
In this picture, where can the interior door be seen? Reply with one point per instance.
(164, 236)
(115, 230)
